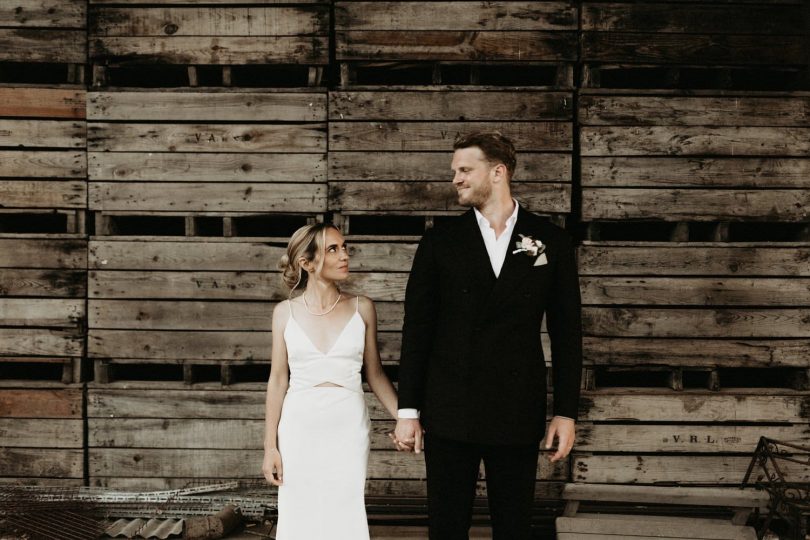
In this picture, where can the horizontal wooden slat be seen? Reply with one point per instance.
(434, 136)
(41, 312)
(231, 106)
(704, 496)
(455, 106)
(453, 45)
(42, 102)
(40, 342)
(683, 470)
(616, 526)
(294, 138)
(38, 403)
(690, 351)
(720, 323)
(696, 205)
(694, 110)
(692, 438)
(476, 16)
(422, 196)
(43, 164)
(660, 48)
(761, 291)
(43, 13)
(194, 167)
(211, 50)
(682, 259)
(43, 194)
(704, 17)
(35, 45)
(181, 196)
(212, 2)
(695, 406)
(695, 172)
(43, 253)
(179, 345)
(695, 140)
(254, 21)
(43, 283)
(435, 166)
(41, 433)
(41, 462)
(42, 133)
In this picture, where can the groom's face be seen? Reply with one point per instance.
(473, 176)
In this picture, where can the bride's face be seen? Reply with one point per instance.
(335, 257)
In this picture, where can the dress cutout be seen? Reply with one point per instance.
(323, 438)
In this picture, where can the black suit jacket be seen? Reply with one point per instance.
(472, 359)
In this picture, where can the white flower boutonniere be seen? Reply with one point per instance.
(532, 248)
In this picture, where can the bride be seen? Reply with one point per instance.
(316, 442)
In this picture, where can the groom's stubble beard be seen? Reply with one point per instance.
(476, 196)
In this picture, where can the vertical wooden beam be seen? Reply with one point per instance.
(101, 371)
(99, 75)
(436, 75)
(226, 76)
(676, 379)
(192, 76)
(227, 226)
(190, 226)
(680, 232)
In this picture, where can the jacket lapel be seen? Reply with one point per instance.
(515, 266)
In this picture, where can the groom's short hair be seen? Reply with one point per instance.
(496, 147)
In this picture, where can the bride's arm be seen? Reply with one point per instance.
(276, 390)
(377, 379)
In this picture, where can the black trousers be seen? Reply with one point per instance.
(452, 472)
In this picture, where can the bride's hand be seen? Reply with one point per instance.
(272, 467)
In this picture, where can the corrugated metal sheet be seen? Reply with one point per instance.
(141, 528)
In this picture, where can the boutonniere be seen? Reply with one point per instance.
(532, 248)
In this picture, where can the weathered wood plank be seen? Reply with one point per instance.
(474, 16)
(34, 403)
(435, 136)
(422, 196)
(43, 164)
(41, 312)
(43, 283)
(706, 18)
(43, 13)
(694, 140)
(194, 167)
(455, 106)
(216, 2)
(42, 133)
(734, 353)
(41, 462)
(43, 253)
(40, 342)
(703, 496)
(695, 172)
(682, 470)
(732, 111)
(286, 138)
(188, 197)
(231, 106)
(714, 49)
(671, 291)
(453, 45)
(713, 438)
(696, 205)
(720, 323)
(227, 285)
(435, 166)
(42, 102)
(43, 193)
(676, 259)
(189, 345)
(42, 45)
(695, 406)
(615, 526)
(41, 433)
(256, 21)
(210, 50)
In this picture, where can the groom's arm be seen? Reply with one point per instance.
(564, 323)
(421, 305)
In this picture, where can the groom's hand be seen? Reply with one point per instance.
(408, 435)
(564, 429)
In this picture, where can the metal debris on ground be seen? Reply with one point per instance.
(152, 528)
(49, 513)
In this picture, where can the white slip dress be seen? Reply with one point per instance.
(323, 438)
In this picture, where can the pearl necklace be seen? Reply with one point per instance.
(304, 298)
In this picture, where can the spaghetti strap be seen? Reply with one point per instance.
(289, 303)
(357, 304)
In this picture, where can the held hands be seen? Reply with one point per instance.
(564, 429)
(408, 435)
(272, 467)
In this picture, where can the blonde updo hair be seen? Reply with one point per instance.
(305, 243)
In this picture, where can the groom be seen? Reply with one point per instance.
(472, 375)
